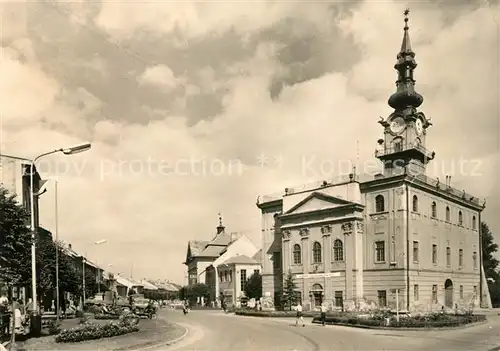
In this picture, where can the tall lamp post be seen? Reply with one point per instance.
(84, 259)
(67, 151)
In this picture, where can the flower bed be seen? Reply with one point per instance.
(253, 313)
(93, 331)
(106, 316)
(436, 320)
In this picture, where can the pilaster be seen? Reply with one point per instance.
(358, 260)
(347, 230)
(326, 232)
(286, 250)
(304, 238)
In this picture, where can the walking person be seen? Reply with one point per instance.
(323, 314)
(300, 317)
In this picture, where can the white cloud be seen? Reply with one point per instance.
(119, 190)
(193, 18)
(160, 76)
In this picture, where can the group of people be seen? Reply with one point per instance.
(300, 316)
(16, 310)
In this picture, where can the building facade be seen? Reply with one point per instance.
(201, 254)
(398, 237)
(233, 275)
(241, 247)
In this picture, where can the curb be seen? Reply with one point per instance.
(359, 326)
(164, 343)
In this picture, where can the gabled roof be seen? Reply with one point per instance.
(258, 256)
(240, 259)
(166, 285)
(329, 199)
(212, 251)
(148, 285)
(221, 239)
(195, 247)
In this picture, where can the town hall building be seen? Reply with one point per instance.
(364, 241)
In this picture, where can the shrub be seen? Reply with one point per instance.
(105, 316)
(277, 314)
(91, 331)
(428, 321)
(53, 327)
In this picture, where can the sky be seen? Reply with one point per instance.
(195, 109)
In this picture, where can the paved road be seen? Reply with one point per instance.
(214, 330)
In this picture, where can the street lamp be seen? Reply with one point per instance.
(99, 242)
(66, 151)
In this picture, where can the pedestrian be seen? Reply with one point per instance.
(323, 314)
(298, 308)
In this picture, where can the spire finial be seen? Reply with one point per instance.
(406, 96)
(406, 13)
(220, 219)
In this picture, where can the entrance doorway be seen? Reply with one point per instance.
(316, 295)
(448, 293)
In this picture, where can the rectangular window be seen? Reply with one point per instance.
(243, 279)
(475, 291)
(415, 251)
(339, 299)
(448, 257)
(461, 291)
(230, 275)
(434, 254)
(474, 259)
(382, 298)
(460, 258)
(380, 251)
(434, 294)
(415, 292)
(276, 260)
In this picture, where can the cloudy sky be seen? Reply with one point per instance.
(246, 91)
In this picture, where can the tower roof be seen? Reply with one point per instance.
(405, 96)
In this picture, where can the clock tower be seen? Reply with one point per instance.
(403, 148)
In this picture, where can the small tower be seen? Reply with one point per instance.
(403, 148)
(220, 228)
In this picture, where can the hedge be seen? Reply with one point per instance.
(277, 314)
(92, 331)
(429, 321)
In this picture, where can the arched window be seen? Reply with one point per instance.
(316, 252)
(460, 218)
(297, 254)
(379, 203)
(474, 222)
(338, 250)
(433, 210)
(447, 214)
(415, 203)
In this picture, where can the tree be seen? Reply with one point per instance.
(490, 264)
(15, 241)
(253, 287)
(289, 295)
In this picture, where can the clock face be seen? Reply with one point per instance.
(397, 125)
(419, 126)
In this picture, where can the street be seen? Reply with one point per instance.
(214, 330)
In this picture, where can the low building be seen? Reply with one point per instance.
(242, 246)
(233, 275)
(201, 254)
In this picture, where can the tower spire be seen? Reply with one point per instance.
(220, 228)
(405, 96)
